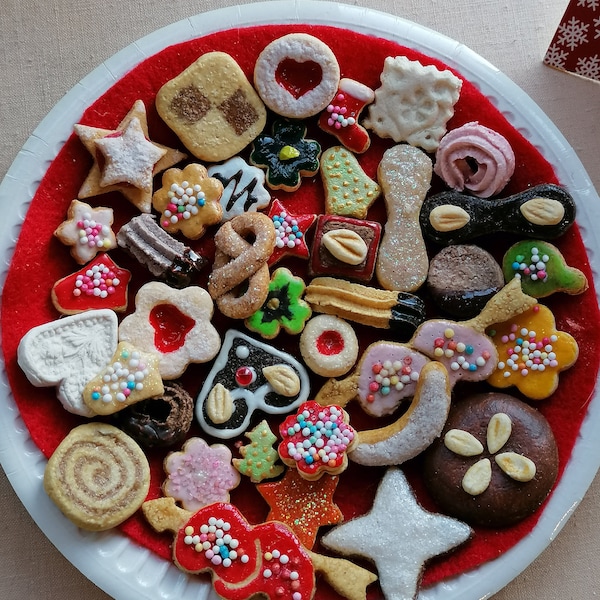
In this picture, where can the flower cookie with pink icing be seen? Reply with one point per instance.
(200, 474)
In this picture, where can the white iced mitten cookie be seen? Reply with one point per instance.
(67, 353)
(398, 536)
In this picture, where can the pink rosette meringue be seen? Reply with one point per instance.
(475, 158)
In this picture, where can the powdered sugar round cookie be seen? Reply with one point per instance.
(297, 75)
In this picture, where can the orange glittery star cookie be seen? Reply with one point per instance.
(110, 148)
(302, 505)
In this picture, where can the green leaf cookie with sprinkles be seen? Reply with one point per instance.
(259, 457)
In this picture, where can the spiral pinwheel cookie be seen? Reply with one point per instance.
(93, 501)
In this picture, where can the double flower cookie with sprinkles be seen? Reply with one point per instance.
(316, 440)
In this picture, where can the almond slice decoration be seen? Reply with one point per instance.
(462, 443)
(219, 404)
(516, 466)
(283, 380)
(498, 431)
(478, 477)
(345, 245)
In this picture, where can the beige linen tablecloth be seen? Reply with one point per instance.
(47, 47)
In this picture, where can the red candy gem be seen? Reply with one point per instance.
(244, 376)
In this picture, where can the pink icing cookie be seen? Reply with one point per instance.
(200, 474)
(463, 347)
(475, 158)
(386, 374)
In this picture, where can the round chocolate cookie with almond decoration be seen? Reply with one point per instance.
(495, 462)
(462, 278)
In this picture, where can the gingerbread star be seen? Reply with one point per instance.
(302, 505)
(109, 173)
(291, 232)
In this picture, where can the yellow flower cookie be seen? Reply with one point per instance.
(188, 201)
(532, 353)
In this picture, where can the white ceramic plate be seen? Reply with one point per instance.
(129, 572)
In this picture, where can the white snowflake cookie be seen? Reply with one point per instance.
(414, 103)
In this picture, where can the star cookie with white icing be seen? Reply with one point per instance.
(125, 159)
(398, 536)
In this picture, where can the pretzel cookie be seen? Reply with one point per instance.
(214, 120)
(98, 476)
(297, 75)
(237, 260)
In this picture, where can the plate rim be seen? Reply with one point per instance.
(97, 554)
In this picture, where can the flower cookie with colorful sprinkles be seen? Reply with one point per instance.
(316, 440)
(188, 201)
(532, 353)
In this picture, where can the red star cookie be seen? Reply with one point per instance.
(291, 232)
(302, 505)
(108, 176)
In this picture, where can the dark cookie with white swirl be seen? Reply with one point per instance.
(160, 421)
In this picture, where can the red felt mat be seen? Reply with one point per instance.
(40, 260)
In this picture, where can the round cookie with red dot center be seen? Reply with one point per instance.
(329, 346)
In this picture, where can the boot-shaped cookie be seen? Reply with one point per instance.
(340, 118)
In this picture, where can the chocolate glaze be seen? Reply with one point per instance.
(498, 215)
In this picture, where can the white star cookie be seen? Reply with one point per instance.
(130, 157)
(398, 536)
(97, 181)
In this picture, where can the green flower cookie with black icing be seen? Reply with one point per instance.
(286, 155)
(283, 308)
(542, 269)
